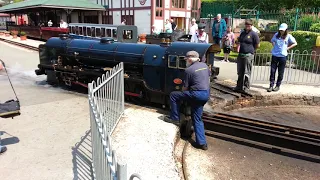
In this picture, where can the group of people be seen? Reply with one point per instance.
(63, 24)
(196, 89)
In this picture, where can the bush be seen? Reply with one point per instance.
(22, 33)
(306, 21)
(305, 39)
(315, 27)
(264, 53)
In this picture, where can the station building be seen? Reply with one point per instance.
(145, 13)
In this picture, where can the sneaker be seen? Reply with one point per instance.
(227, 61)
(3, 149)
(270, 89)
(198, 146)
(277, 88)
(169, 120)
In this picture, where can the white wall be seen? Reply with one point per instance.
(159, 24)
(178, 13)
(116, 17)
(166, 14)
(189, 5)
(167, 3)
(137, 3)
(116, 4)
(142, 20)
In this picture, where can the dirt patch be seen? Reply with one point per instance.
(299, 116)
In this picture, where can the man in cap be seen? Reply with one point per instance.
(249, 42)
(196, 92)
(200, 36)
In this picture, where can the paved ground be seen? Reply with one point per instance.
(51, 139)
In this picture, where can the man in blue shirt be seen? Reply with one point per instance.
(196, 92)
(282, 42)
(249, 41)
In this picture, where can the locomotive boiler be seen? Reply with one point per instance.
(152, 71)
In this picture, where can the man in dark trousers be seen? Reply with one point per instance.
(249, 42)
(196, 92)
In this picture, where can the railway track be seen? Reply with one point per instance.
(273, 136)
(20, 44)
(229, 90)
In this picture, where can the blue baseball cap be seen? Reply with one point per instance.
(283, 27)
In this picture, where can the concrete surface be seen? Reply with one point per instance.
(29, 42)
(51, 138)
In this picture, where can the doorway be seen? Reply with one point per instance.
(180, 21)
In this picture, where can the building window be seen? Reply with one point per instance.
(107, 19)
(159, 8)
(129, 19)
(195, 4)
(178, 4)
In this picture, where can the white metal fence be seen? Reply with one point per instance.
(301, 68)
(106, 101)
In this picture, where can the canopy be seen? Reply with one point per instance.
(53, 4)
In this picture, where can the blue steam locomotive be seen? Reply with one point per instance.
(152, 71)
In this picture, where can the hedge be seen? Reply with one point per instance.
(264, 53)
(306, 40)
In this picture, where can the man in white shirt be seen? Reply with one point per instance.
(200, 36)
(63, 24)
(50, 23)
(194, 27)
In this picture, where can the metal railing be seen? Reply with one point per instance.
(106, 102)
(301, 68)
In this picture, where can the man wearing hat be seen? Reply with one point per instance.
(249, 42)
(196, 93)
(200, 36)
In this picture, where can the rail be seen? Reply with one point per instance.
(289, 139)
(301, 68)
(20, 44)
(106, 102)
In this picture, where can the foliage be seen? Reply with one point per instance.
(315, 27)
(264, 53)
(305, 39)
(306, 21)
(22, 33)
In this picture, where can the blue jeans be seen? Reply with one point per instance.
(196, 99)
(280, 64)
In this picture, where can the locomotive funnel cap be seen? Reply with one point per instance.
(192, 54)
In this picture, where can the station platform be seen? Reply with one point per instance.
(28, 42)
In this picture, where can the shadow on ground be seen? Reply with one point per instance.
(82, 158)
(8, 141)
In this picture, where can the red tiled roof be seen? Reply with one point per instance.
(4, 15)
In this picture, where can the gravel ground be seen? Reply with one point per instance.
(226, 160)
(146, 144)
(302, 116)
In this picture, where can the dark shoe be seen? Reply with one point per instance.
(270, 89)
(198, 146)
(169, 120)
(277, 88)
(3, 149)
(237, 89)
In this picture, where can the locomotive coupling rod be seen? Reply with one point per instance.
(288, 139)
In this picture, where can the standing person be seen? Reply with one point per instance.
(50, 23)
(168, 26)
(282, 42)
(63, 24)
(219, 27)
(193, 27)
(228, 41)
(200, 36)
(196, 93)
(174, 25)
(249, 42)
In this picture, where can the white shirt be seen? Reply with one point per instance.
(63, 25)
(193, 29)
(49, 23)
(196, 38)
